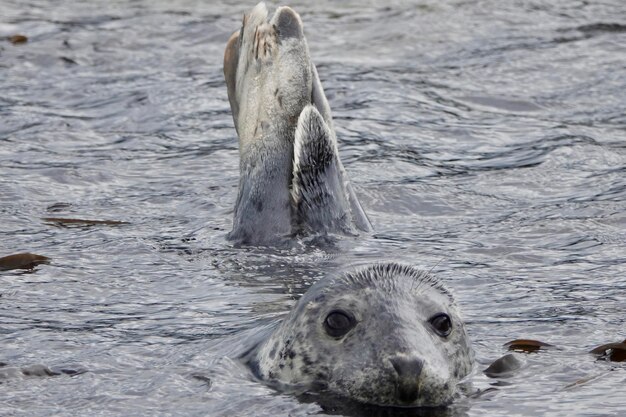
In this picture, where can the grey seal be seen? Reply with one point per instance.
(387, 334)
(291, 180)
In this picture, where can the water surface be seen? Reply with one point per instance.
(486, 140)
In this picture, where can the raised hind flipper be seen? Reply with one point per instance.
(271, 82)
(319, 189)
(318, 98)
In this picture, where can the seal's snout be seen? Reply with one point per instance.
(408, 370)
(407, 366)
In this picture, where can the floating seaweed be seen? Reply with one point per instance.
(22, 261)
(64, 222)
(612, 352)
(17, 39)
(527, 345)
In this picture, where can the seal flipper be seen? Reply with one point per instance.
(318, 191)
(271, 81)
(361, 221)
(318, 98)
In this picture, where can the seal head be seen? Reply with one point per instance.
(388, 334)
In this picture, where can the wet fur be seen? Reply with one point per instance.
(278, 104)
(392, 304)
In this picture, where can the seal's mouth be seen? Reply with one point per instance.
(407, 393)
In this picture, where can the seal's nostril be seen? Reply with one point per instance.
(407, 366)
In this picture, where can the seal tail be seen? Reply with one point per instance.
(318, 190)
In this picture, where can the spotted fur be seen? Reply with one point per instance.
(392, 305)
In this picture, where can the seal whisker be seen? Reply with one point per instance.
(436, 264)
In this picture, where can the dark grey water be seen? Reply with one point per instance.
(486, 140)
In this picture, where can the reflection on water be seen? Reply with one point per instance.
(485, 139)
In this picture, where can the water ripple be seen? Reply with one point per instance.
(486, 141)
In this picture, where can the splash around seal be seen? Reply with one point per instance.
(387, 334)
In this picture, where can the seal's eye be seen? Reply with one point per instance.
(442, 324)
(338, 323)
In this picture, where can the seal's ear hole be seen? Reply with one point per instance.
(442, 324)
(338, 323)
